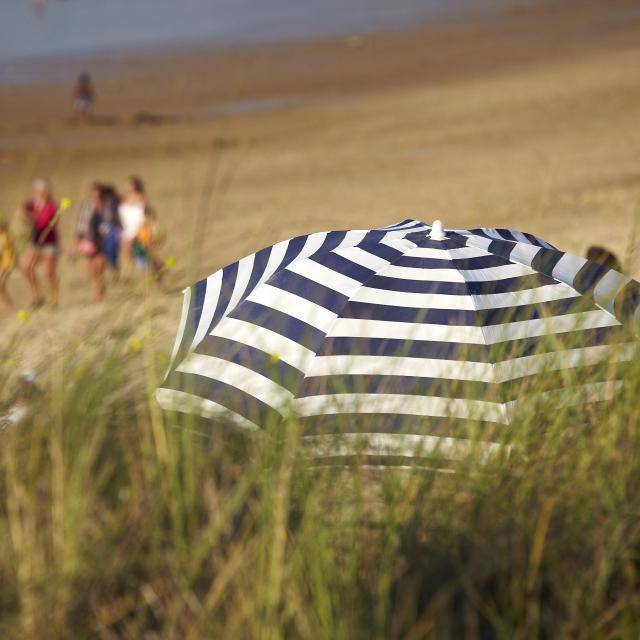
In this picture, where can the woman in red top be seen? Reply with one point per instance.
(41, 212)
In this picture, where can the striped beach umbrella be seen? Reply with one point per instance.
(398, 338)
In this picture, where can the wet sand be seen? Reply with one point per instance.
(523, 118)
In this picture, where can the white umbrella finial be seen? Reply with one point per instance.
(437, 231)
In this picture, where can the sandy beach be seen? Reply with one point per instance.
(522, 118)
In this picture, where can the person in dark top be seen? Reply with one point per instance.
(110, 204)
(92, 230)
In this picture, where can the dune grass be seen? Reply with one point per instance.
(117, 521)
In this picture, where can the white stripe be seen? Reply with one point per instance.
(398, 242)
(571, 396)
(491, 334)
(400, 366)
(457, 275)
(400, 404)
(311, 245)
(469, 371)
(245, 266)
(362, 258)
(548, 326)
(567, 267)
(211, 295)
(270, 342)
(186, 301)
(278, 252)
(524, 253)
(608, 288)
(352, 238)
(401, 225)
(174, 400)
(566, 359)
(237, 376)
(479, 242)
(293, 305)
(399, 444)
(325, 276)
(449, 254)
(362, 328)
(520, 237)
(544, 293)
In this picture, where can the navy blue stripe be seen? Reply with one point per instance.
(371, 311)
(229, 276)
(482, 287)
(279, 322)
(333, 239)
(260, 261)
(533, 239)
(627, 301)
(396, 423)
(463, 317)
(588, 277)
(506, 234)
(472, 352)
(452, 241)
(380, 250)
(401, 385)
(546, 260)
(539, 310)
(403, 348)
(293, 250)
(310, 290)
(479, 262)
(225, 395)
(251, 358)
(498, 392)
(197, 298)
(344, 266)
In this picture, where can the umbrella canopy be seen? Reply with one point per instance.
(409, 331)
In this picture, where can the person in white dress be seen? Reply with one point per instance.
(131, 213)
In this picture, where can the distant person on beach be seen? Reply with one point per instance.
(41, 213)
(131, 213)
(92, 229)
(603, 256)
(7, 262)
(83, 97)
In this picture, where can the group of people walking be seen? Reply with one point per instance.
(111, 232)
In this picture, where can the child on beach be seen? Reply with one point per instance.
(7, 262)
(148, 242)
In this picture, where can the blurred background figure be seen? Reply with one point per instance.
(92, 231)
(41, 214)
(7, 262)
(83, 97)
(111, 218)
(149, 241)
(603, 256)
(131, 214)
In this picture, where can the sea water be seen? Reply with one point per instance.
(36, 28)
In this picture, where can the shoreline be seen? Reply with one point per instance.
(458, 47)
